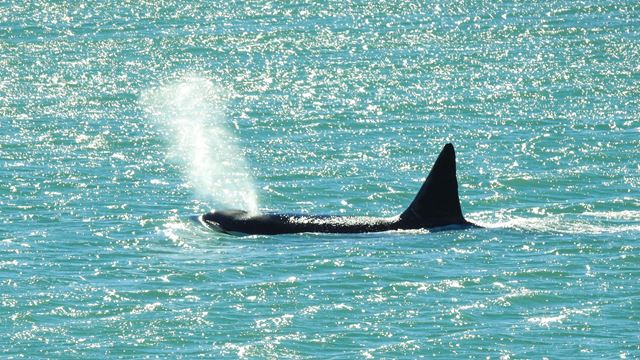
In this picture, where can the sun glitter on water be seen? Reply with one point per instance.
(190, 113)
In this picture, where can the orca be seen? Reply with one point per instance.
(437, 206)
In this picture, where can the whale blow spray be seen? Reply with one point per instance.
(190, 112)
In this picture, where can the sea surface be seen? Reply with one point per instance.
(121, 120)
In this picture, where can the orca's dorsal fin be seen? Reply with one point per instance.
(437, 202)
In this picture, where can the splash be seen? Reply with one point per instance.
(190, 112)
(569, 223)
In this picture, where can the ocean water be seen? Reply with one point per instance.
(121, 120)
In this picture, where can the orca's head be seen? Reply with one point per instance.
(222, 219)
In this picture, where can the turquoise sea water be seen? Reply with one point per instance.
(120, 120)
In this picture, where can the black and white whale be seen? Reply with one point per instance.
(437, 205)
